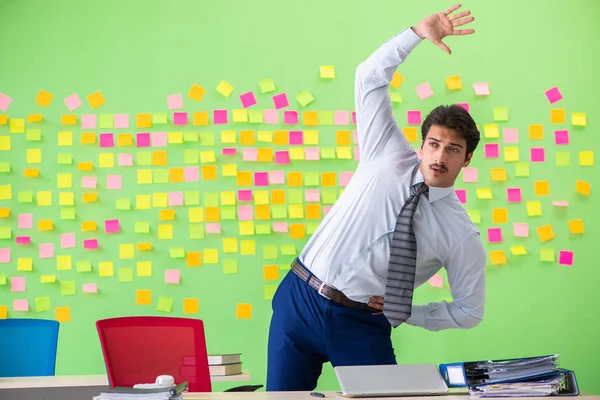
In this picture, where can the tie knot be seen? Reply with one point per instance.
(419, 188)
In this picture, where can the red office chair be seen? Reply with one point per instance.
(137, 349)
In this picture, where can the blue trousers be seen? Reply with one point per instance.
(308, 330)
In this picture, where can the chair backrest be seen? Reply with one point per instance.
(137, 349)
(28, 347)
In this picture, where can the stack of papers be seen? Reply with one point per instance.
(161, 393)
(507, 370)
(545, 387)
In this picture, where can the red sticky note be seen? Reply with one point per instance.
(553, 95)
(180, 118)
(46, 250)
(282, 157)
(107, 140)
(491, 150)
(23, 240)
(413, 117)
(513, 195)
(561, 137)
(565, 257)
(494, 235)
(295, 137)
(229, 151)
(462, 195)
(538, 154)
(290, 117)
(261, 179)
(112, 226)
(245, 195)
(248, 99)
(220, 117)
(280, 101)
(353, 117)
(90, 244)
(143, 140)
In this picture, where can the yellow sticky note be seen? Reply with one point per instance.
(106, 160)
(5, 143)
(411, 134)
(266, 154)
(498, 257)
(85, 166)
(541, 188)
(64, 263)
(17, 125)
(586, 158)
(397, 80)
(558, 116)
(228, 137)
(228, 198)
(296, 211)
(267, 136)
(240, 115)
(500, 215)
(229, 169)
(208, 156)
(143, 297)
(165, 231)
(511, 154)
(96, 100)
(498, 174)
(44, 199)
(144, 268)
(534, 208)
(62, 314)
(143, 201)
(211, 256)
(144, 246)
(200, 118)
(224, 88)
(196, 214)
(44, 98)
(4, 212)
(484, 193)
(343, 152)
(125, 139)
(90, 197)
(35, 118)
(193, 258)
(64, 181)
(106, 269)
(143, 120)
(161, 199)
(246, 228)
(243, 311)
(48, 278)
(5, 192)
(583, 187)
(545, 233)
(126, 250)
(144, 176)
(297, 231)
(66, 198)
(536, 132)
(518, 250)
(230, 245)
(491, 131)
(31, 172)
(454, 82)
(576, 226)
(327, 71)
(296, 153)
(87, 138)
(248, 247)
(578, 119)
(24, 264)
(34, 156)
(190, 306)
(247, 138)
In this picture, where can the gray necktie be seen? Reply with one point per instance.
(400, 284)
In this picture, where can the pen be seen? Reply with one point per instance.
(317, 394)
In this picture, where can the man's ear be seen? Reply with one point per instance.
(468, 160)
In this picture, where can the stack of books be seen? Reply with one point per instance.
(224, 364)
(174, 392)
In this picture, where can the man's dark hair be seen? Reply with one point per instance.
(453, 117)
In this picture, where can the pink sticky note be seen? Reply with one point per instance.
(213, 228)
(280, 227)
(250, 154)
(46, 250)
(219, 117)
(73, 102)
(513, 195)
(462, 195)
(245, 213)
(159, 139)
(89, 288)
(25, 221)
(355, 136)
(245, 195)
(121, 121)
(21, 305)
(290, 117)
(464, 105)
(112, 226)
(88, 121)
(4, 255)
(4, 102)
(553, 95)
(261, 179)
(17, 284)
(175, 101)
(312, 154)
(23, 240)
(424, 91)
(494, 235)
(191, 174)
(565, 257)
(341, 117)
(312, 195)
(280, 101)
(413, 117)
(469, 174)
(282, 157)
(561, 137)
(436, 281)
(172, 276)
(510, 135)
(345, 178)
(247, 99)
(90, 244)
(89, 182)
(481, 88)
(67, 240)
(353, 117)
(114, 182)
(296, 138)
(107, 140)
(175, 199)
(271, 116)
(180, 118)
(125, 160)
(491, 150)
(560, 203)
(142, 140)
(326, 210)
(538, 154)
(230, 151)
(277, 177)
(521, 229)
(356, 153)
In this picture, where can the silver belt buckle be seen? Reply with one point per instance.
(320, 290)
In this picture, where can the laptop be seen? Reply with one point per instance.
(390, 380)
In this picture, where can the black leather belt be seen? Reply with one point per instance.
(329, 292)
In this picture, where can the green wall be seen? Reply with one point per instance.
(137, 53)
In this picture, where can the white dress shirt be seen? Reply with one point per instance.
(350, 250)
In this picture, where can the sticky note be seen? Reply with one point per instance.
(175, 101)
(143, 297)
(46, 250)
(90, 244)
(224, 88)
(83, 266)
(537, 154)
(42, 304)
(89, 288)
(126, 250)
(510, 135)
(454, 82)
(561, 137)
(43, 98)
(64, 263)
(518, 250)
(499, 215)
(424, 91)
(547, 254)
(106, 269)
(536, 132)
(521, 169)
(576, 226)
(327, 71)
(558, 116)
(513, 195)
(481, 88)
(500, 114)
(267, 85)
(247, 99)
(565, 257)
(534, 208)
(494, 235)
(578, 119)
(586, 158)
(491, 131)
(112, 226)
(553, 95)
(196, 92)
(491, 150)
(469, 174)
(305, 98)
(18, 284)
(20, 305)
(484, 193)
(243, 311)
(583, 187)
(397, 80)
(96, 100)
(165, 231)
(24, 264)
(498, 257)
(541, 188)
(67, 288)
(545, 233)
(173, 276)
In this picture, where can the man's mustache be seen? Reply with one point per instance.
(438, 166)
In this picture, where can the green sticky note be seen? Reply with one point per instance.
(256, 116)
(211, 199)
(144, 158)
(67, 288)
(328, 196)
(4, 167)
(190, 137)
(295, 196)
(288, 250)
(522, 169)
(106, 121)
(311, 179)
(305, 98)
(42, 304)
(207, 138)
(328, 153)
(126, 274)
(325, 117)
(159, 118)
(267, 85)
(123, 204)
(547, 254)
(196, 231)
(25, 197)
(84, 266)
(270, 291)
(68, 213)
(142, 227)
(263, 229)
(65, 158)
(33, 135)
(501, 114)
(191, 156)
(396, 98)
(2, 279)
(270, 252)
(228, 212)
(191, 198)
(563, 159)
(164, 304)
(177, 252)
(311, 227)
(230, 267)
(279, 212)
(5, 232)
(285, 267)
(475, 216)
(161, 175)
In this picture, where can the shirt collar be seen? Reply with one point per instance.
(435, 193)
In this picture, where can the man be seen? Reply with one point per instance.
(396, 224)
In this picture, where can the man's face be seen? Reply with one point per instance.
(443, 155)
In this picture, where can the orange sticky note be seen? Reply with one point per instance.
(545, 232)
(144, 246)
(294, 178)
(343, 138)
(44, 98)
(31, 172)
(278, 196)
(90, 197)
(313, 211)
(209, 172)
(85, 166)
(167, 215)
(196, 92)
(212, 214)
(280, 138)
(143, 120)
(34, 118)
(68, 120)
(190, 306)
(263, 212)
(88, 138)
(541, 188)
(244, 311)
(247, 138)
(193, 258)
(498, 174)
(200, 118)
(498, 257)
(397, 80)
(576, 226)
(87, 226)
(454, 82)
(412, 134)
(176, 175)
(271, 272)
(244, 178)
(125, 139)
(310, 118)
(4, 212)
(3, 312)
(159, 157)
(500, 215)
(328, 179)
(63, 314)
(45, 225)
(265, 154)
(536, 132)
(297, 231)
(583, 187)
(96, 100)
(3, 119)
(558, 116)
(143, 297)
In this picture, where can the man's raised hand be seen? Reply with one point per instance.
(435, 27)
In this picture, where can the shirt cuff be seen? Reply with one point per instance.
(408, 39)
(417, 316)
